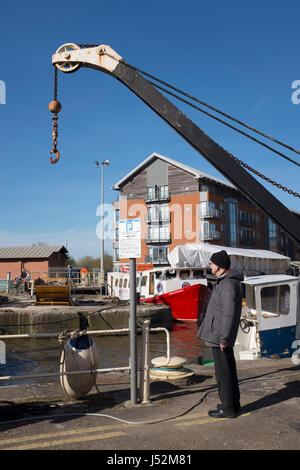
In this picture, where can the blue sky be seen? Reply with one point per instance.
(241, 57)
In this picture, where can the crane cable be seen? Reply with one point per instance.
(220, 112)
(243, 164)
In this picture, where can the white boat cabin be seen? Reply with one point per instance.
(270, 315)
(155, 281)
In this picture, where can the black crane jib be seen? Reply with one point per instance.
(70, 57)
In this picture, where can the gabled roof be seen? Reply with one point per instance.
(193, 171)
(27, 252)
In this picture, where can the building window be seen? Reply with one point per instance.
(157, 192)
(233, 223)
(158, 254)
(272, 236)
(164, 191)
(209, 231)
(208, 209)
(158, 213)
(117, 215)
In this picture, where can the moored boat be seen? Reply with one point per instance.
(185, 303)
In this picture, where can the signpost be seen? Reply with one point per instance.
(130, 247)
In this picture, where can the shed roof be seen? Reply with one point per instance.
(27, 252)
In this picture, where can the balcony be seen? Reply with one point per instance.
(152, 239)
(149, 259)
(248, 241)
(210, 235)
(209, 213)
(158, 219)
(247, 221)
(157, 196)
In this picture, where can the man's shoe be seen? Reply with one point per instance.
(219, 413)
(237, 410)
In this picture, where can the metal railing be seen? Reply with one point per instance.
(145, 368)
(57, 276)
(209, 213)
(210, 234)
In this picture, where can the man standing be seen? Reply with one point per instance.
(219, 330)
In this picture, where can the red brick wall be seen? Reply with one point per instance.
(36, 267)
(15, 268)
(12, 267)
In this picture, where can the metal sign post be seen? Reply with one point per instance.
(132, 327)
(130, 247)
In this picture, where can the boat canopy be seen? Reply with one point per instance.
(250, 262)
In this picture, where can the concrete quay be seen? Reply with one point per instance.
(41, 417)
(111, 313)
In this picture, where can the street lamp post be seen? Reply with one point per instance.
(102, 165)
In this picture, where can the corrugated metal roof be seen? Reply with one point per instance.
(26, 252)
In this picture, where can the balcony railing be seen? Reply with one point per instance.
(247, 222)
(158, 239)
(210, 235)
(163, 260)
(209, 213)
(157, 196)
(248, 241)
(150, 218)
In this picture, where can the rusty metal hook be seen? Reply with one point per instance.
(57, 155)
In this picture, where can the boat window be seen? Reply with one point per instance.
(144, 281)
(284, 299)
(249, 295)
(198, 273)
(171, 274)
(116, 282)
(158, 275)
(125, 283)
(276, 299)
(121, 283)
(184, 274)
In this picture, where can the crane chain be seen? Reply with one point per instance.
(269, 180)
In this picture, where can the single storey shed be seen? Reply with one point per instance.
(34, 259)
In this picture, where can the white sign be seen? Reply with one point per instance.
(130, 238)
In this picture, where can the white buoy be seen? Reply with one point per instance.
(78, 354)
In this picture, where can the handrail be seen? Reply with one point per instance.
(95, 332)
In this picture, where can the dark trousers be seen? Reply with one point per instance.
(226, 377)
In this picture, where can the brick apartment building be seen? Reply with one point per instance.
(35, 259)
(178, 204)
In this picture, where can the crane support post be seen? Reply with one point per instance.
(105, 59)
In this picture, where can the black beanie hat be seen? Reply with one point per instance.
(221, 259)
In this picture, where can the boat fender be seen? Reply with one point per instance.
(79, 353)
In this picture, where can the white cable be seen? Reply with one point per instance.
(198, 402)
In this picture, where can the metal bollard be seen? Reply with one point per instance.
(144, 375)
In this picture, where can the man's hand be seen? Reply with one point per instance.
(223, 346)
